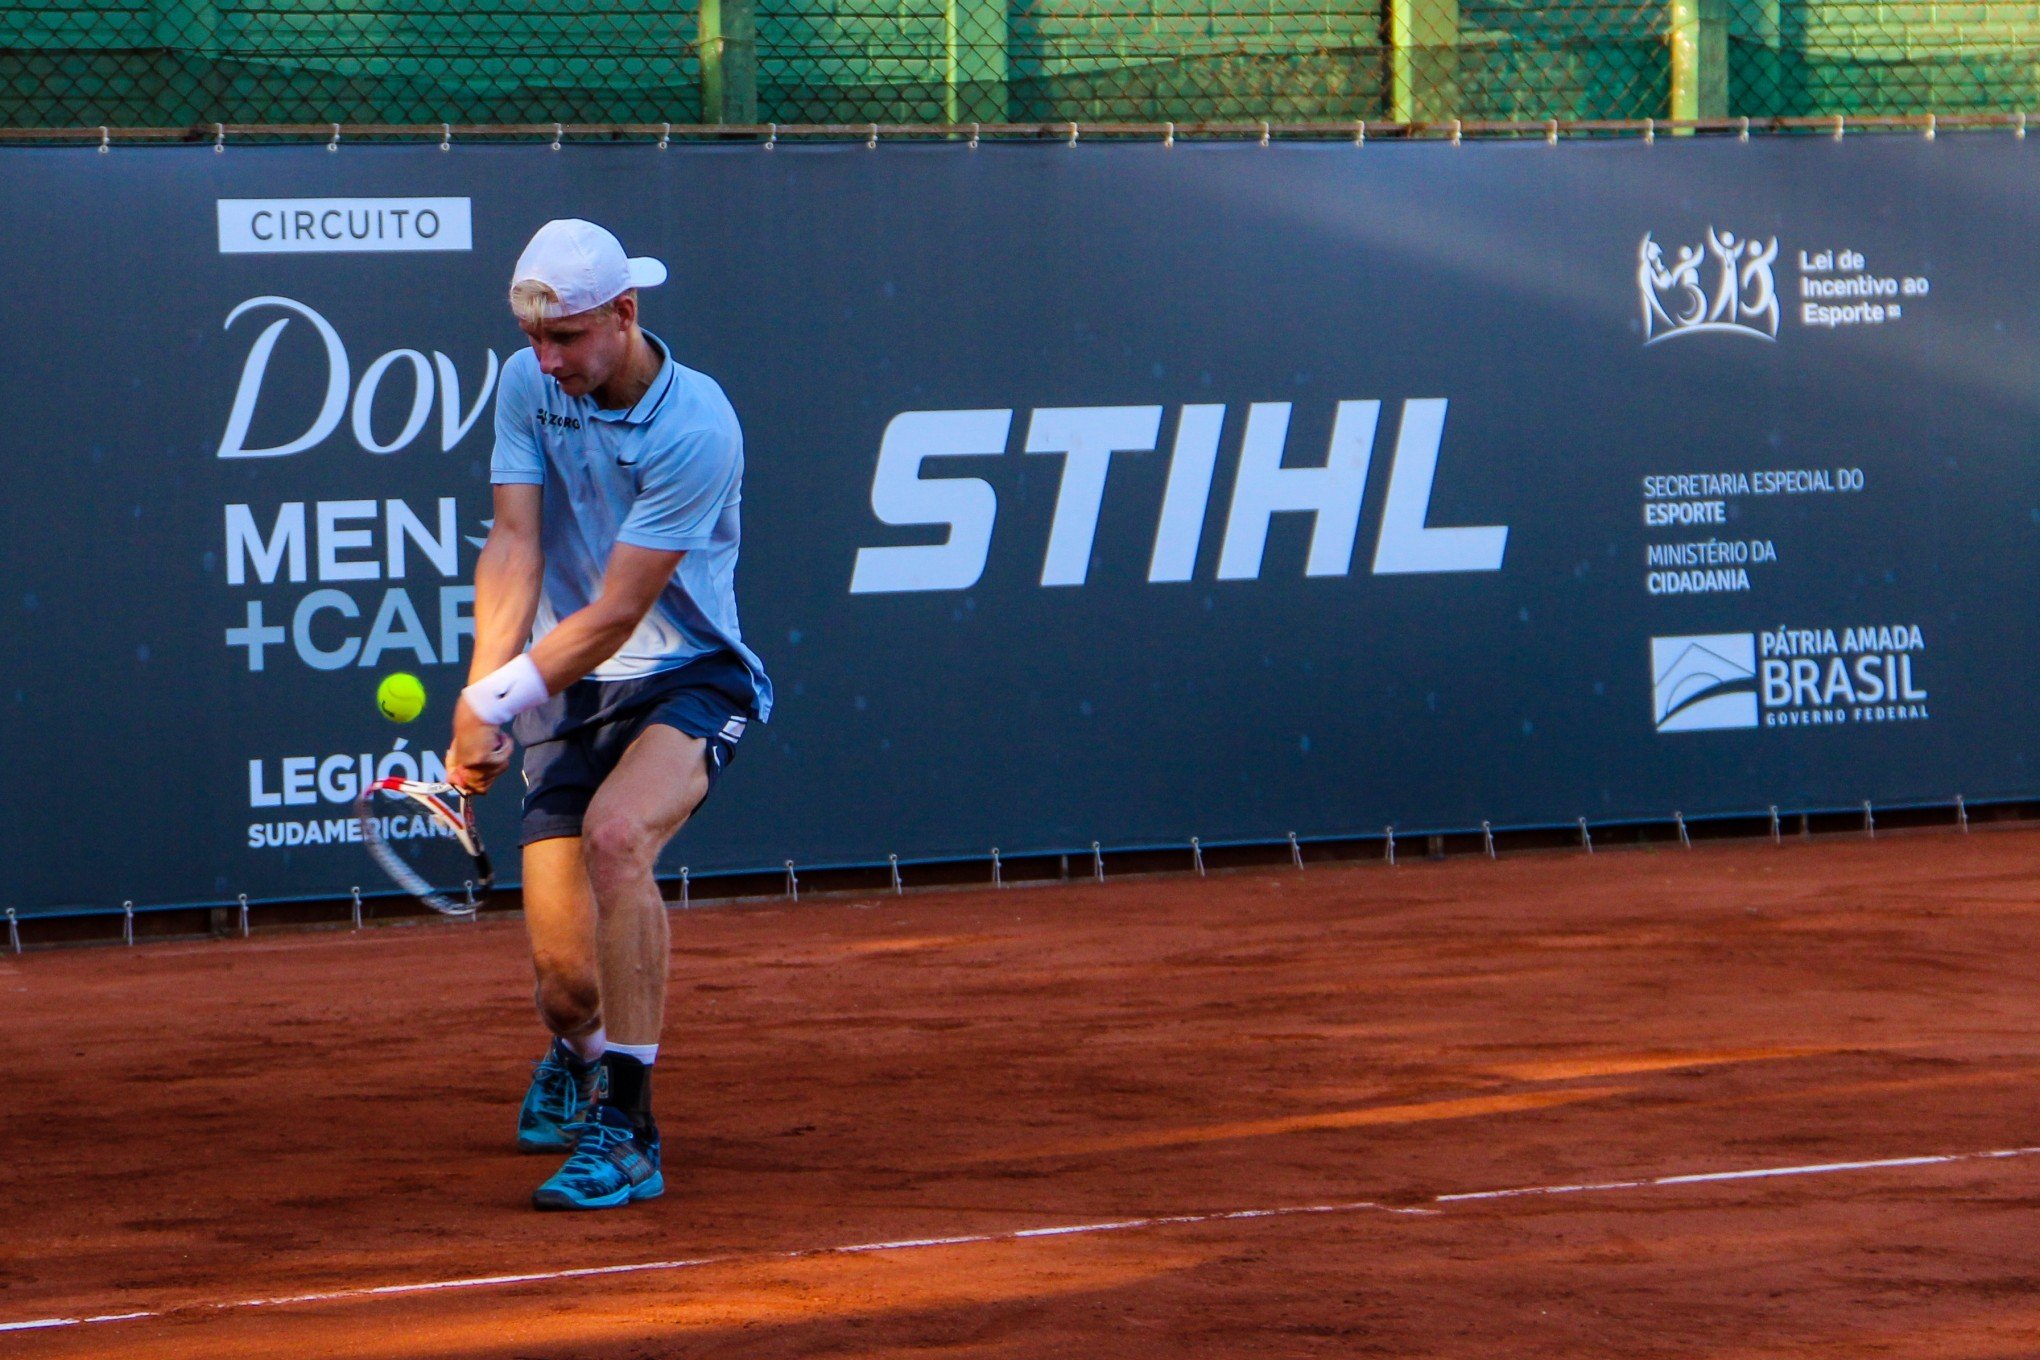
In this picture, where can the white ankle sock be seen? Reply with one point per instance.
(588, 1047)
(644, 1053)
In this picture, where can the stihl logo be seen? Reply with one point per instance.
(1087, 437)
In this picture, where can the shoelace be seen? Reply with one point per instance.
(594, 1138)
(558, 1076)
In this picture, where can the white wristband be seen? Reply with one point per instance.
(507, 691)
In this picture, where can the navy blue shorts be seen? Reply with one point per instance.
(573, 740)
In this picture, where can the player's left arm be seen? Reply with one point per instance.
(591, 635)
(683, 489)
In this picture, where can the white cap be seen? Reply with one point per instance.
(584, 264)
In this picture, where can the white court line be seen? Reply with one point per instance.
(1703, 1178)
(1024, 1234)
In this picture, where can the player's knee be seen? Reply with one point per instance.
(617, 846)
(569, 1002)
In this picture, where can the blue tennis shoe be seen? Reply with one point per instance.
(614, 1162)
(563, 1091)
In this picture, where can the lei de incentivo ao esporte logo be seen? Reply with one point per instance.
(1723, 282)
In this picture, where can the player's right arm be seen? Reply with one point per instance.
(508, 577)
(509, 574)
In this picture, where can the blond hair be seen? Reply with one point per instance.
(533, 301)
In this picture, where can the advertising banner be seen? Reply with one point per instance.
(1117, 493)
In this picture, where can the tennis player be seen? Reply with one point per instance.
(617, 473)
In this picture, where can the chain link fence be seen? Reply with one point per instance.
(194, 63)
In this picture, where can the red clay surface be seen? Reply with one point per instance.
(194, 1125)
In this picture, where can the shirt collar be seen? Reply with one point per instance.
(647, 405)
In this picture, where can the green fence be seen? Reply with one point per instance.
(187, 63)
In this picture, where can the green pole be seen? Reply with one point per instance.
(729, 61)
(1423, 55)
(1699, 41)
(974, 61)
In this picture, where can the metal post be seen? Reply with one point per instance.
(474, 908)
(686, 889)
(998, 876)
(974, 52)
(1684, 839)
(244, 916)
(357, 906)
(1961, 814)
(1423, 57)
(13, 932)
(1391, 845)
(792, 882)
(1097, 862)
(1869, 821)
(1295, 851)
(1777, 836)
(729, 61)
(1197, 856)
(127, 924)
(1699, 41)
(1586, 838)
(896, 886)
(1487, 839)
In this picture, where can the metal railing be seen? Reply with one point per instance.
(769, 135)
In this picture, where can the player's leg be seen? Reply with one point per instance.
(659, 781)
(559, 918)
(657, 785)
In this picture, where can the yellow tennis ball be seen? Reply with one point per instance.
(400, 696)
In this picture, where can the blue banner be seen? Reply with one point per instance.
(1118, 493)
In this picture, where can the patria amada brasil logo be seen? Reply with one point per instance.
(1787, 677)
(1722, 284)
(1705, 682)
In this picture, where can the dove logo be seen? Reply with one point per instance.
(1723, 284)
(1704, 683)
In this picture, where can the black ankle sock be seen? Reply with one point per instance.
(630, 1087)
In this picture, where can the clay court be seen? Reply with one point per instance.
(1260, 1113)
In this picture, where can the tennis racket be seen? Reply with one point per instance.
(426, 832)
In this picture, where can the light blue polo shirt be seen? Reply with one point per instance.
(665, 474)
